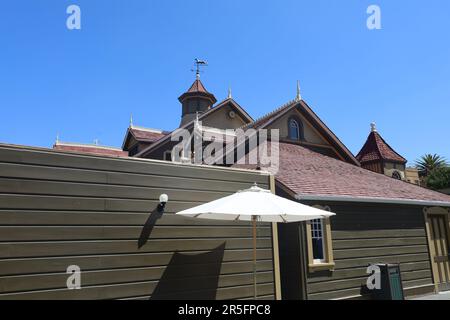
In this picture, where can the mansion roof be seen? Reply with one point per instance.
(310, 175)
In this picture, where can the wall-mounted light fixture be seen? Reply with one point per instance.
(163, 198)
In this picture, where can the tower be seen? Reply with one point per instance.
(197, 99)
(376, 155)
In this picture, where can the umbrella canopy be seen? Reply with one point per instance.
(256, 202)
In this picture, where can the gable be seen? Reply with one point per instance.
(215, 117)
(322, 139)
(311, 135)
(129, 141)
(222, 119)
(311, 138)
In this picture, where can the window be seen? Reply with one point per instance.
(168, 155)
(295, 128)
(317, 240)
(396, 175)
(320, 250)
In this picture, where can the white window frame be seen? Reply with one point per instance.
(319, 233)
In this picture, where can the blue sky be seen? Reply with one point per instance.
(135, 57)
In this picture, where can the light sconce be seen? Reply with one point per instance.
(163, 198)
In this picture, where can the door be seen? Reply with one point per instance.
(440, 249)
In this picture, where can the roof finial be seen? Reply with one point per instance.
(196, 121)
(298, 97)
(373, 127)
(131, 119)
(229, 93)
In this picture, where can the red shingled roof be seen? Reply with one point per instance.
(376, 148)
(142, 134)
(198, 89)
(90, 149)
(197, 86)
(308, 173)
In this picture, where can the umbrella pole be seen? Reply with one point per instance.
(254, 256)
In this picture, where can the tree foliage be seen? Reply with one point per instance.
(439, 178)
(428, 163)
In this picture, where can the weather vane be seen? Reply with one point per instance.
(199, 63)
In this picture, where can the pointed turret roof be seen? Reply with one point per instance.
(198, 89)
(376, 148)
(197, 86)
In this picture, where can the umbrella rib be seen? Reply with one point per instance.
(237, 218)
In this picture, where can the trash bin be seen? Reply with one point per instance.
(391, 283)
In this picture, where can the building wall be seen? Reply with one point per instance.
(412, 176)
(365, 234)
(390, 167)
(100, 213)
(362, 234)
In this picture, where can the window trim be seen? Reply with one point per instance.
(328, 262)
(396, 175)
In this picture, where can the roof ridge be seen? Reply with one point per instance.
(80, 144)
(387, 144)
(376, 135)
(267, 115)
(147, 129)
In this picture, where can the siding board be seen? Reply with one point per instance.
(238, 258)
(59, 248)
(47, 233)
(90, 278)
(120, 291)
(107, 218)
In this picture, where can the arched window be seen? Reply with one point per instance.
(396, 175)
(295, 129)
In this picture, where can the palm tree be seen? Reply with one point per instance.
(427, 163)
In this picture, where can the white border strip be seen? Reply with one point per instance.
(372, 200)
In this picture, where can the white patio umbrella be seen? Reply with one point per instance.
(255, 204)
